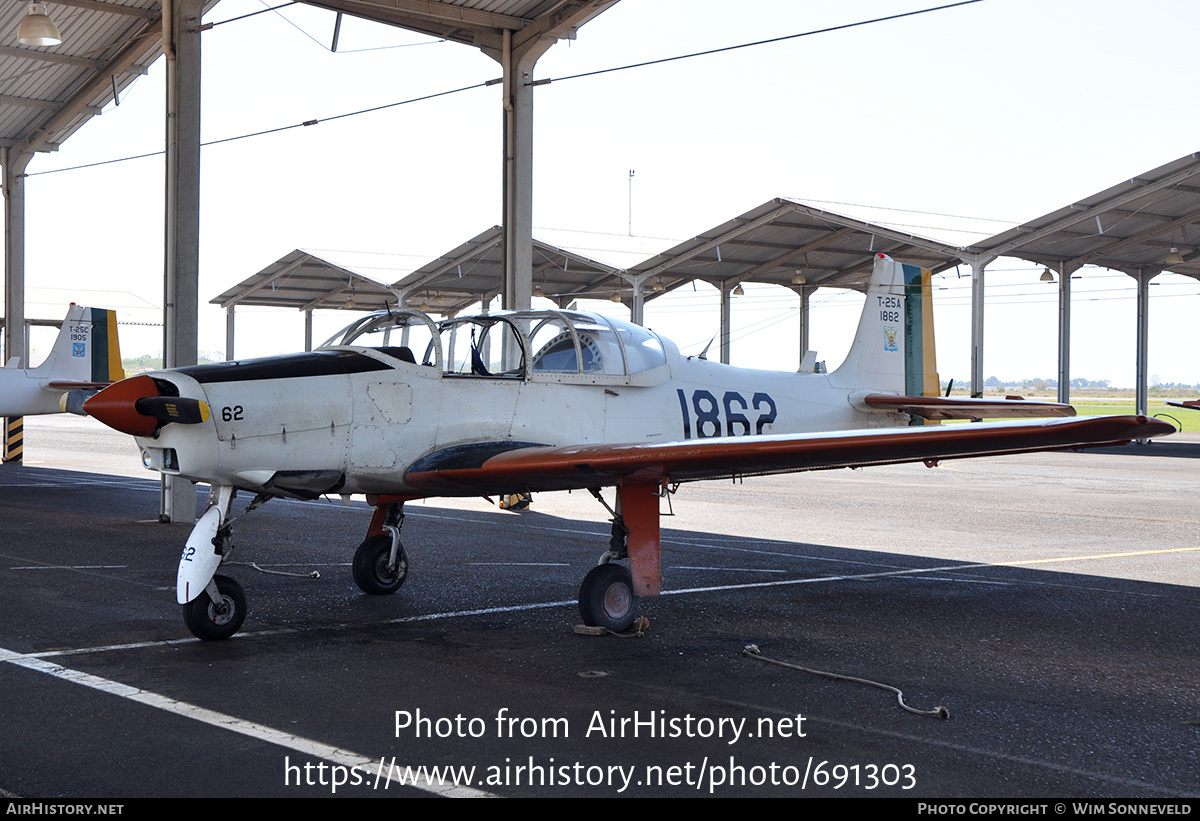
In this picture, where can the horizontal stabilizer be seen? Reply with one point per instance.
(72, 401)
(63, 385)
(946, 407)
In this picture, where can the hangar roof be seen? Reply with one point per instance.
(1130, 226)
(472, 22)
(475, 268)
(781, 237)
(766, 244)
(303, 280)
(49, 92)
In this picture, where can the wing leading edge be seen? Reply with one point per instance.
(541, 468)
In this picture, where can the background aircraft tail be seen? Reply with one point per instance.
(86, 352)
(893, 350)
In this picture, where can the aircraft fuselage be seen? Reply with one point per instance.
(363, 425)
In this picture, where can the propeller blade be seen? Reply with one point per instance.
(168, 409)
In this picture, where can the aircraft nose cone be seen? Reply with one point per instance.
(116, 406)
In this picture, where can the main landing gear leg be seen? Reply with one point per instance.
(214, 607)
(380, 563)
(608, 594)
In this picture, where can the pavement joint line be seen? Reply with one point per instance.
(915, 738)
(485, 611)
(923, 570)
(251, 729)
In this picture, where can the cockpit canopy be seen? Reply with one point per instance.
(566, 346)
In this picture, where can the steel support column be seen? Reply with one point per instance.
(15, 345)
(637, 305)
(229, 335)
(803, 291)
(978, 266)
(14, 254)
(518, 172)
(308, 329)
(1064, 334)
(726, 298)
(1143, 278)
(181, 304)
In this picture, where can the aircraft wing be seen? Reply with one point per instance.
(504, 467)
(1193, 404)
(953, 407)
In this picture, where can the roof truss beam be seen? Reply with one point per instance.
(146, 40)
(60, 59)
(1083, 212)
(782, 259)
(44, 105)
(108, 8)
(1139, 238)
(708, 245)
(443, 20)
(275, 277)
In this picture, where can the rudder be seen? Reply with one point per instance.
(893, 349)
(87, 349)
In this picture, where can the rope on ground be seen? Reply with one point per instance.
(752, 651)
(312, 574)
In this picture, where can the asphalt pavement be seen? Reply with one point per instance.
(1049, 602)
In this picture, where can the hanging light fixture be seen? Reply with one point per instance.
(37, 29)
(537, 291)
(615, 297)
(737, 290)
(1046, 275)
(659, 287)
(798, 278)
(1174, 258)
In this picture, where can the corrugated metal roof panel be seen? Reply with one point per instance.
(1131, 226)
(38, 83)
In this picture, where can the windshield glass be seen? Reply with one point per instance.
(396, 333)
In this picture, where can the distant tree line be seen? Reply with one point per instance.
(146, 362)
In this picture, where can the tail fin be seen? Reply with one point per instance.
(87, 350)
(893, 350)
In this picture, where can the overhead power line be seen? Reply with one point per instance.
(494, 81)
(826, 30)
(272, 130)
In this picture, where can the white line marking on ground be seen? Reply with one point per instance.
(261, 732)
(72, 567)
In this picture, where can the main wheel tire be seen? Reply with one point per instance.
(213, 621)
(606, 598)
(371, 572)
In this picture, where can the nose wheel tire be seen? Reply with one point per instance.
(210, 620)
(371, 571)
(606, 598)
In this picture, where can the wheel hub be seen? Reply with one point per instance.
(220, 612)
(617, 600)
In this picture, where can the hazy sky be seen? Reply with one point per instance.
(976, 118)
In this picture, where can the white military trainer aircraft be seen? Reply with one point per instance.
(86, 357)
(548, 400)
